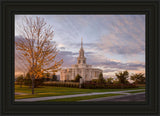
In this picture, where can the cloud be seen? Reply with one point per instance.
(86, 45)
(69, 57)
(126, 37)
(108, 66)
(119, 65)
(62, 48)
(111, 42)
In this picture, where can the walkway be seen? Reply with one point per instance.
(69, 96)
(131, 97)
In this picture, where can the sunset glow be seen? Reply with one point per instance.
(111, 42)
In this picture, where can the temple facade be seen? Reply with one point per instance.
(84, 70)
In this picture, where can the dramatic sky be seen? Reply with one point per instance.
(111, 42)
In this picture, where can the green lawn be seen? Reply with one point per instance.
(56, 91)
(81, 98)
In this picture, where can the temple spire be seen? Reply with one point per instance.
(81, 58)
(81, 42)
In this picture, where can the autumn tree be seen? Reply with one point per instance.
(122, 77)
(138, 78)
(35, 46)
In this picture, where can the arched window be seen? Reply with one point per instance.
(79, 61)
(83, 61)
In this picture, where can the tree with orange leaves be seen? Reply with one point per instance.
(36, 48)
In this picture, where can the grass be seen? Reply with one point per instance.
(57, 91)
(81, 98)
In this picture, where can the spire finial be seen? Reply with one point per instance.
(81, 42)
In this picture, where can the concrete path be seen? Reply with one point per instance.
(76, 95)
(130, 97)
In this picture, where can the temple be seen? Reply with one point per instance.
(84, 70)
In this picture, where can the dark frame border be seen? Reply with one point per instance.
(148, 8)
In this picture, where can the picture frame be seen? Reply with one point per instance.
(149, 8)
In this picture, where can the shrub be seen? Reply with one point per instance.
(93, 85)
(62, 84)
(120, 86)
(94, 80)
(90, 85)
(28, 82)
(38, 82)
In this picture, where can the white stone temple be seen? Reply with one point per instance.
(84, 70)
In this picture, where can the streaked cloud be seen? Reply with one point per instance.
(111, 42)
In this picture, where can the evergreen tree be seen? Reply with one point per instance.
(54, 77)
(77, 78)
(101, 80)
